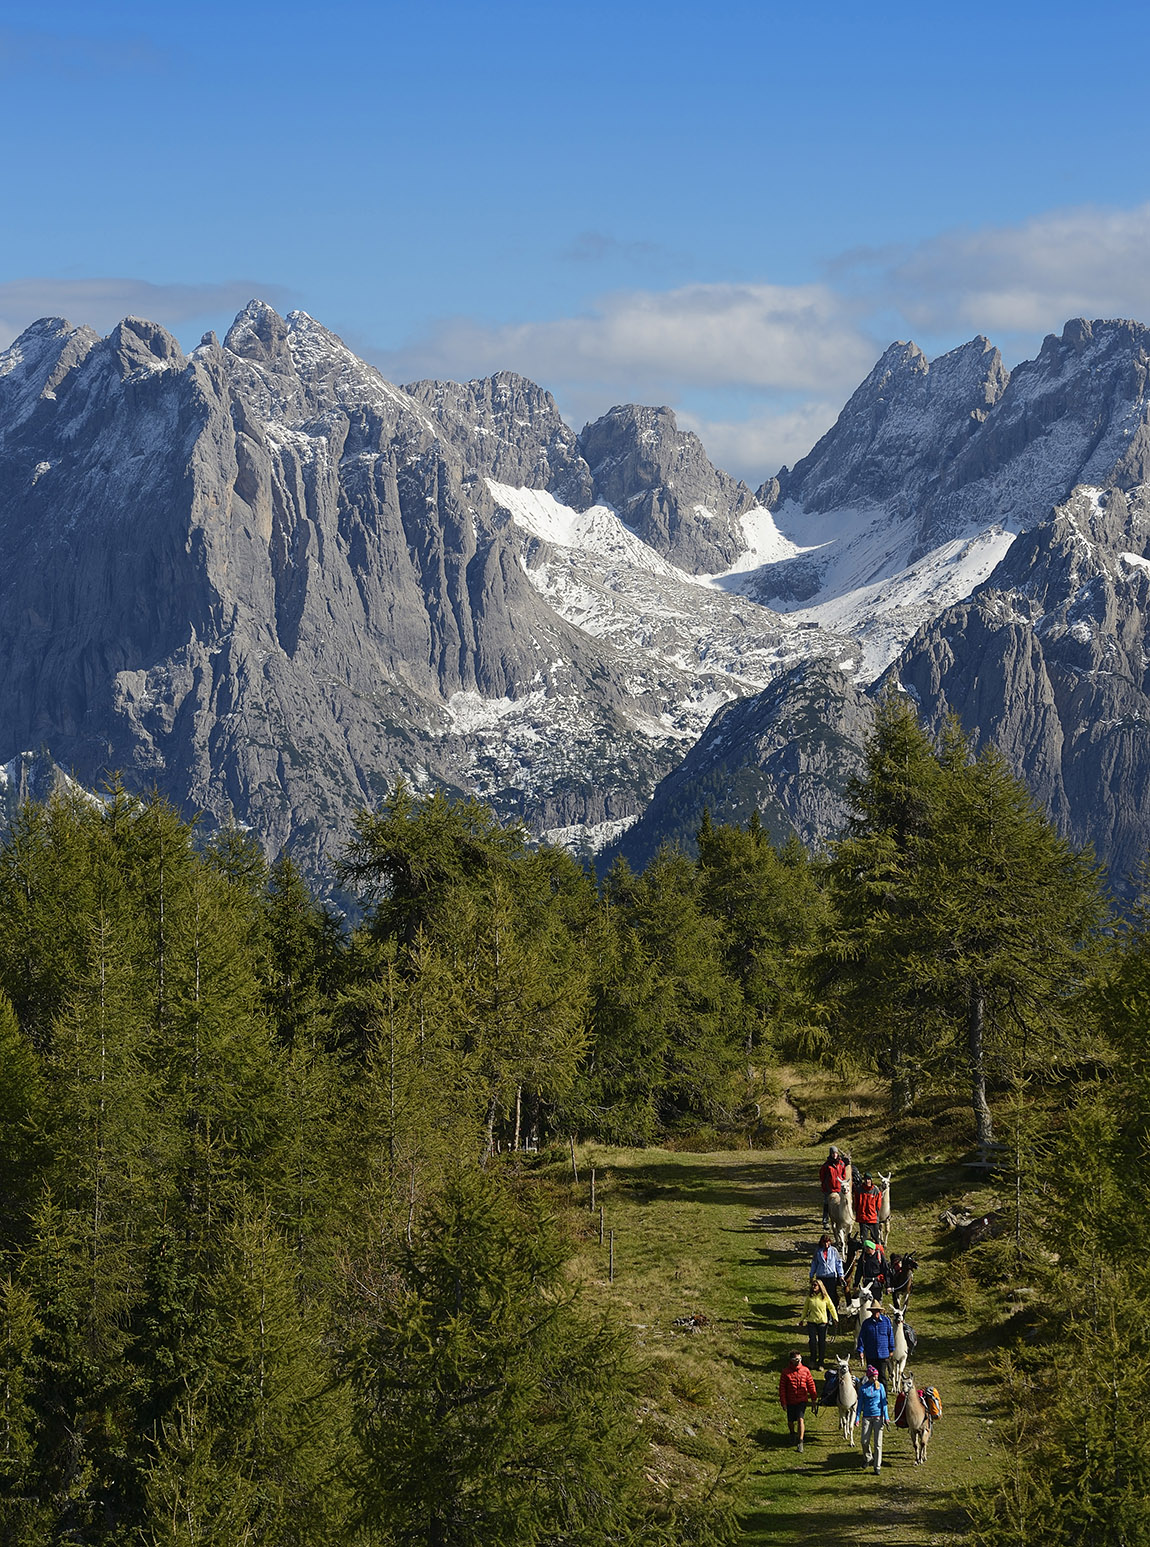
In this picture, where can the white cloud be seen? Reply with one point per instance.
(1027, 278)
(655, 343)
(101, 303)
(757, 446)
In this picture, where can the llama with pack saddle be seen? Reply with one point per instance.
(847, 1399)
(917, 1417)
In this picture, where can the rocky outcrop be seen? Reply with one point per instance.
(259, 576)
(507, 428)
(1048, 661)
(788, 753)
(960, 444)
(899, 432)
(665, 488)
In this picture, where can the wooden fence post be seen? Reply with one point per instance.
(611, 1264)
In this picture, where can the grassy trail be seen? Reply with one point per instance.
(730, 1235)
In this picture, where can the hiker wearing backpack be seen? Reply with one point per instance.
(873, 1415)
(870, 1266)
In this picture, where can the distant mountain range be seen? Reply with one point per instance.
(266, 581)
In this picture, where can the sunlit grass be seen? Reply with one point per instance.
(727, 1236)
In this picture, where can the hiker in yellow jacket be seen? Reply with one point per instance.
(818, 1309)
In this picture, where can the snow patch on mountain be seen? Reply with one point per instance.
(766, 544)
(588, 839)
(884, 616)
(597, 531)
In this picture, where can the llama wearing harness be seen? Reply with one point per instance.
(918, 1419)
(884, 1210)
(901, 1351)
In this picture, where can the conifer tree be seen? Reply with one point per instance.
(490, 1408)
(1007, 911)
(771, 911)
(254, 1445)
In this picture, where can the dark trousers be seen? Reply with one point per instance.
(817, 1342)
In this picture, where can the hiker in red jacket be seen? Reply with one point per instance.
(796, 1389)
(831, 1174)
(868, 1201)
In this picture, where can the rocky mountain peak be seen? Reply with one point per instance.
(899, 429)
(664, 486)
(508, 428)
(1076, 414)
(35, 364)
(260, 334)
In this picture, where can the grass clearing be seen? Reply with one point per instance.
(727, 1236)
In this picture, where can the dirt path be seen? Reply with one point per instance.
(734, 1233)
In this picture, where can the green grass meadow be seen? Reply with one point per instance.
(728, 1236)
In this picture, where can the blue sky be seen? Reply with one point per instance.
(730, 209)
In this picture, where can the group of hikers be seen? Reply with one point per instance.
(867, 1267)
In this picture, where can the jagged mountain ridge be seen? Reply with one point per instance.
(267, 580)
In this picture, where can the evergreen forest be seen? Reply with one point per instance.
(285, 1258)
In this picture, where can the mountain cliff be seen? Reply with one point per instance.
(267, 581)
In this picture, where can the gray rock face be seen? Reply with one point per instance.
(665, 488)
(507, 428)
(259, 575)
(959, 443)
(1048, 661)
(789, 753)
(899, 432)
(1077, 414)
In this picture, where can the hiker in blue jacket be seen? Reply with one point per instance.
(876, 1341)
(827, 1267)
(873, 1415)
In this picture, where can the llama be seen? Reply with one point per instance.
(841, 1212)
(884, 1209)
(847, 1400)
(919, 1423)
(860, 1306)
(902, 1270)
(901, 1350)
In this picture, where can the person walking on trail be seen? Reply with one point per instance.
(870, 1265)
(818, 1310)
(827, 1267)
(831, 1174)
(796, 1389)
(873, 1415)
(875, 1342)
(868, 1202)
